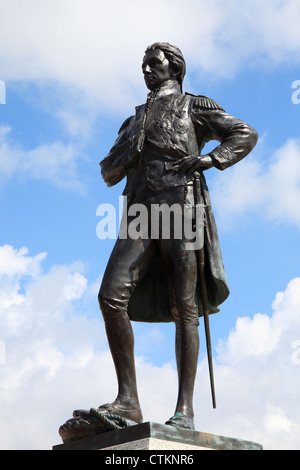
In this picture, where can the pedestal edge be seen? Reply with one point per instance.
(159, 431)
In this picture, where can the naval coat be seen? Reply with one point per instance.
(178, 125)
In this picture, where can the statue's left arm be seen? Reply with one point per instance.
(237, 138)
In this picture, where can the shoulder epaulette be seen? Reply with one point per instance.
(205, 103)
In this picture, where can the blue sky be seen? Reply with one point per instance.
(72, 71)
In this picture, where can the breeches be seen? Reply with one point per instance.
(129, 262)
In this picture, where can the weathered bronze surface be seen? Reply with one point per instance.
(157, 279)
(161, 432)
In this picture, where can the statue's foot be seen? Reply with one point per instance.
(94, 421)
(108, 417)
(133, 414)
(78, 428)
(181, 421)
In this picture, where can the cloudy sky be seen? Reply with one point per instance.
(70, 74)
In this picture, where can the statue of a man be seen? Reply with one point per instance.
(156, 279)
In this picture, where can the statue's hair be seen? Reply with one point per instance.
(174, 56)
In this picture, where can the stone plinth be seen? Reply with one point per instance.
(155, 436)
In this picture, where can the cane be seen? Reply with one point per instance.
(201, 262)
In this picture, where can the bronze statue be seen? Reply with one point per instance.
(157, 279)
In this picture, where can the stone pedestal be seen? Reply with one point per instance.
(155, 436)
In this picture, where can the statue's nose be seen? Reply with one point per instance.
(146, 69)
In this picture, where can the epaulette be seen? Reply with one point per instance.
(203, 102)
(125, 124)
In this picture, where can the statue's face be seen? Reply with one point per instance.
(156, 69)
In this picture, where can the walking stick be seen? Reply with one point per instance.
(201, 262)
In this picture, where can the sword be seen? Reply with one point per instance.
(201, 262)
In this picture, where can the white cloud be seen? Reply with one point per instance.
(258, 382)
(86, 51)
(16, 262)
(270, 190)
(57, 360)
(55, 162)
(276, 422)
(48, 348)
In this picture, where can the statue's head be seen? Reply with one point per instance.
(163, 62)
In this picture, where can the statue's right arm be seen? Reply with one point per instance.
(114, 165)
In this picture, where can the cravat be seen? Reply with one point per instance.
(149, 103)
